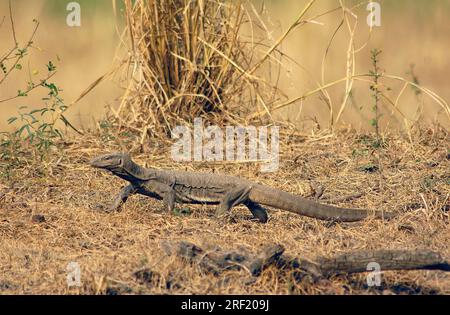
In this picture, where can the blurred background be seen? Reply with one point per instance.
(414, 38)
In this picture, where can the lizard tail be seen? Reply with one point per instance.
(282, 200)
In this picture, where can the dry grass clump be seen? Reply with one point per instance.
(50, 218)
(189, 59)
(215, 59)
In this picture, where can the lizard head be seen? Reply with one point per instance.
(119, 164)
(110, 162)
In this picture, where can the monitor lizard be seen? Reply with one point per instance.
(172, 186)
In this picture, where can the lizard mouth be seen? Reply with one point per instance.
(96, 163)
(101, 162)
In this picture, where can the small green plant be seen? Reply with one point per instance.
(36, 128)
(376, 94)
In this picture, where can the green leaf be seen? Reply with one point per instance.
(53, 89)
(31, 138)
(33, 119)
(11, 120)
(51, 67)
(43, 127)
(21, 94)
(36, 111)
(21, 130)
(58, 133)
(18, 66)
(22, 52)
(27, 128)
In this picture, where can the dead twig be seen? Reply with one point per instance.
(217, 261)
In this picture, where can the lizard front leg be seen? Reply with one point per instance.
(122, 198)
(169, 199)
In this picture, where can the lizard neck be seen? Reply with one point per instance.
(132, 172)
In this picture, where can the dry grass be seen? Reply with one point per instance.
(82, 52)
(413, 181)
(189, 59)
(218, 60)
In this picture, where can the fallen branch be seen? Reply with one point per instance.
(357, 262)
(217, 261)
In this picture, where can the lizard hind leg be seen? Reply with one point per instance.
(258, 212)
(233, 198)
